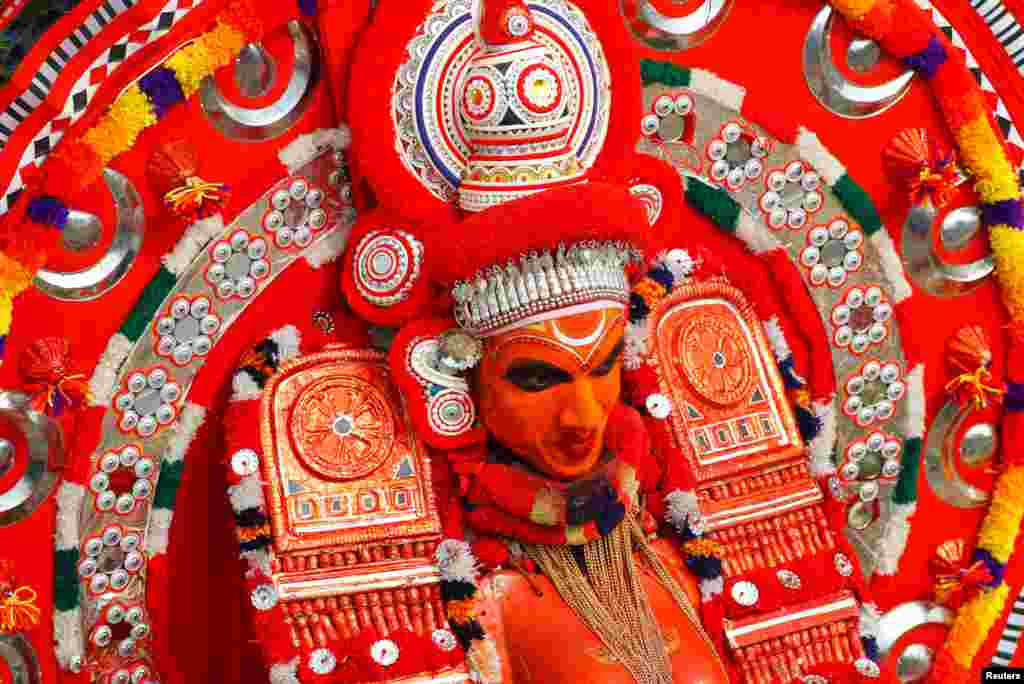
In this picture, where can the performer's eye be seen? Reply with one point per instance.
(609, 363)
(536, 376)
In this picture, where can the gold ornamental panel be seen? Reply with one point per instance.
(342, 462)
(729, 403)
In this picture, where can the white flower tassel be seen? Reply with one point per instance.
(635, 346)
(456, 561)
(777, 339)
(894, 538)
(308, 147)
(285, 673)
(820, 449)
(287, 340)
(683, 512)
(710, 588)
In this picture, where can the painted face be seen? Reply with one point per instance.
(546, 390)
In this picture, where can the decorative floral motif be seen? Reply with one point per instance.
(671, 119)
(843, 565)
(870, 459)
(444, 639)
(121, 625)
(745, 593)
(873, 391)
(124, 480)
(136, 673)
(296, 213)
(111, 560)
(186, 330)
(658, 405)
(387, 266)
(148, 403)
(789, 579)
(384, 652)
(861, 319)
(833, 252)
(322, 661)
(245, 462)
(791, 196)
(237, 264)
(737, 155)
(263, 597)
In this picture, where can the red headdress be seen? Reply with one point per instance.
(511, 195)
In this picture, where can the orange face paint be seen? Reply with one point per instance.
(545, 390)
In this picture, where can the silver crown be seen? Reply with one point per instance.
(541, 282)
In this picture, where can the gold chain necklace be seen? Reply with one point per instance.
(611, 600)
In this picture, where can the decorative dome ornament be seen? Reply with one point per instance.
(541, 111)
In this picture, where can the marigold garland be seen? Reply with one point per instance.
(985, 157)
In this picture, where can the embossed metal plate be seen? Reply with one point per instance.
(45, 441)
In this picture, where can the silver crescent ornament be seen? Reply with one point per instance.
(940, 460)
(834, 91)
(255, 72)
(930, 271)
(914, 660)
(673, 33)
(94, 281)
(45, 443)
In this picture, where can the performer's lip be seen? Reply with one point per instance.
(579, 445)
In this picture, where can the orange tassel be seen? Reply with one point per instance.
(45, 366)
(955, 582)
(969, 354)
(927, 175)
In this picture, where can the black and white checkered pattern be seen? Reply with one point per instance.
(86, 87)
(1005, 27)
(1001, 113)
(42, 82)
(1010, 638)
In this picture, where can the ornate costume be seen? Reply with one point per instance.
(521, 355)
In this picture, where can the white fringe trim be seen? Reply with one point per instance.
(894, 538)
(635, 345)
(68, 637)
(710, 588)
(913, 424)
(870, 617)
(891, 265)
(103, 383)
(456, 561)
(678, 262)
(817, 155)
(192, 416)
(682, 510)
(308, 147)
(287, 340)
(285, 673)
(69, 509)
(192, 242)
(159, 533)
(753, 234)
(247, 494)
(244, 388)
(484, 662)
(328, 248)
(777, 339)
(727, 94)
(258, 559)
(820, 449)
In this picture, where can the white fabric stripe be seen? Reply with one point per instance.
(69, 509)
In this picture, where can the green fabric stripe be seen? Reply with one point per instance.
(152, 297)
(905, 491)
(65, 579)
(857, 204)
(666, 73)
(714, 203)
(167, 486)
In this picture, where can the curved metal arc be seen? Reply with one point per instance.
(264, 123)
(833, 90)
(92, 282)
(43, 437)
(927, 269)
(940, 461)
(666, 33)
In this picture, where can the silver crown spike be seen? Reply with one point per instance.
(514, 281)
(497, 279)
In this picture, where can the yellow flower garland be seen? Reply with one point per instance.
(982, 153)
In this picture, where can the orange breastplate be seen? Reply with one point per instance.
(543, 641)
